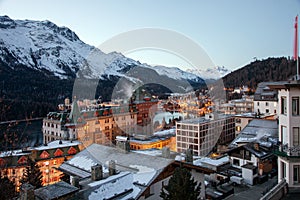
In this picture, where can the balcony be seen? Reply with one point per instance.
(287, 151)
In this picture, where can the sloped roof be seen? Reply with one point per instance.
(263, 131)
(55, 191)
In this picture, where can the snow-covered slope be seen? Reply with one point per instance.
(42, 45)
(210, 73)
(176, 73)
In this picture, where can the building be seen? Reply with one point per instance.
(242, 120)
(289, 134)
(265, 99)
(237, 106)
(104, 172)
(57, 191)
(100, 125)
(13, 165)
(253, 160)
(262, 131)
(202, 135)
(143, 142)
(146, 109)
(49, 157)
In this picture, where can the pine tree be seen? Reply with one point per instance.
(181, 186)
(7, 188)
(33, 175)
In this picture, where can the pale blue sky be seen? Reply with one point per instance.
(231, 32)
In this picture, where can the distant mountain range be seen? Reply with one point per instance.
(41, 62)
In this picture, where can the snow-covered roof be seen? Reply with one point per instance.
(113, 186)
(57, 144)
(206, 161)
(165, 132)
(55, 191)
(262, 131)
(138, 170)
(18, 152)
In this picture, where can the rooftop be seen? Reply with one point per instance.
(57, 144)
(55, 191)
(265, 132)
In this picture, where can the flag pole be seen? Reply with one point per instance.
(296, 50)
(297, 56)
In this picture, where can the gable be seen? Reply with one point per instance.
(72, 151)
(44, 155)
(22, 160)
(58, 152)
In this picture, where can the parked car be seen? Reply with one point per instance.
(236, 180)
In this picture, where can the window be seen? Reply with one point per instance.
(238, 120)
(267, 110)
(236, 162)
(267, 103)
(284, 135)
(296, 174)
(283, 105)
(296, 136)
(283, 170)
(295, 105)
(258, 103)
(238, 128)
(106, 121)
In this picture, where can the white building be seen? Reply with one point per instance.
(203, 134)
(289, 135)
(265, 99)
(237, 106)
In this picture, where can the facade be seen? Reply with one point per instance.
(254, 161)
(265, 99)
(237, 106)
(146, 109)
(289, 134)
(203, 134)
(48, 158)
(51, 156)
(132, 176)
(13, 165)
(150, 143)
(100, 125)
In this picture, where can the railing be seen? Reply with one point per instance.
(288, 151)
(275, 191)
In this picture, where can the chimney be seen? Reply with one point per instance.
(75, 181)
(27, 192)
(189, 156)
(123, 144)
(97, 172)
(112, 167)
(166, 152)
(256, 146)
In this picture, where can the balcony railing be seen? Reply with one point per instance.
(288, 151)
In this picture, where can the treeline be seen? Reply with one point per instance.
(271, 69)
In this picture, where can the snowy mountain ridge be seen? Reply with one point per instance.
(42, 45)
(210, 73)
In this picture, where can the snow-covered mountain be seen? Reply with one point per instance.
(42, 45)
(210, 73)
